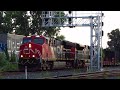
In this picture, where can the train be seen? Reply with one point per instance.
(39, 52)
(109, 58)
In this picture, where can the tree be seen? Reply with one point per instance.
(4, 23)
(102, 53)
(35, 22)
(61, 37)
(25, 22)
(20, 22)
(15, 20)
(54, 31)
(114, 43)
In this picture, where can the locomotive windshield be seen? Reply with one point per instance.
(26, 40)
(38, 40)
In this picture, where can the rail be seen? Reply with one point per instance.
(89, 75)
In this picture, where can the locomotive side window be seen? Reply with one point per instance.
(26, 40)
(38, 40)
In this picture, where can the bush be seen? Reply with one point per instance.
(3, 60)
(7, 54)
(10, 67)
(13, 57)
(6, 65)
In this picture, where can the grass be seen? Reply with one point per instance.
(7, 65)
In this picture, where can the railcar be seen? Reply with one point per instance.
(109, 59)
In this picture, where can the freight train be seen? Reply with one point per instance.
(39, 52)
(109, 59)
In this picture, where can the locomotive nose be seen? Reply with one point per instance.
(30, 50)
(26, 50)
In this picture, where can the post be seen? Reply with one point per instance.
(26, 72)
(15, 45)
(91, 44)
(75, 51)
(75, 56)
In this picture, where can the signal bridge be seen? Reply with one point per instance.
(73, 19)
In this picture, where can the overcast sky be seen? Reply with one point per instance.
(82, 34)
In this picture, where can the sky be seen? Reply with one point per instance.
(81, 35)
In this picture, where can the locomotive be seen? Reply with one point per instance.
(39, 52)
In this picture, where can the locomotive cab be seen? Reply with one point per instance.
(31, 51)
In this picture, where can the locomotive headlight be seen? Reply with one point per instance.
(21, 56)
(30, 45)
(33, 55)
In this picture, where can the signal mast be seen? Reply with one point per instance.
(72, 19)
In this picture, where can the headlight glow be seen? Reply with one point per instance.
(30, 45)
(21, 56)
(33, 55)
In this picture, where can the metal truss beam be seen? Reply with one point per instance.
(57, 19)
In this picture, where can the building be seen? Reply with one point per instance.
(11, 41)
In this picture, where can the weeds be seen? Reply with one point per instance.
(7, 65)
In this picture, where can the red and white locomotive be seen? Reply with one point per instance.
(40, 52)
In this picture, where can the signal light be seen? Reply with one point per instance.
(102, 32)
(102, 23)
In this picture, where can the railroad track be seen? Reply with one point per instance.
(62, 73)
(89, 75)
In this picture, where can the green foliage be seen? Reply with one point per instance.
(5, 65)
(114, 36)
(114, 43)
(7, 54)
(54, 31)
(61, 37)
(25, 22)
(36, 22)
(3, 60)
(13, 57)
(9, 67)
(102, 52)
(63, 20)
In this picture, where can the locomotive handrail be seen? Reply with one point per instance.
(67, 55)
